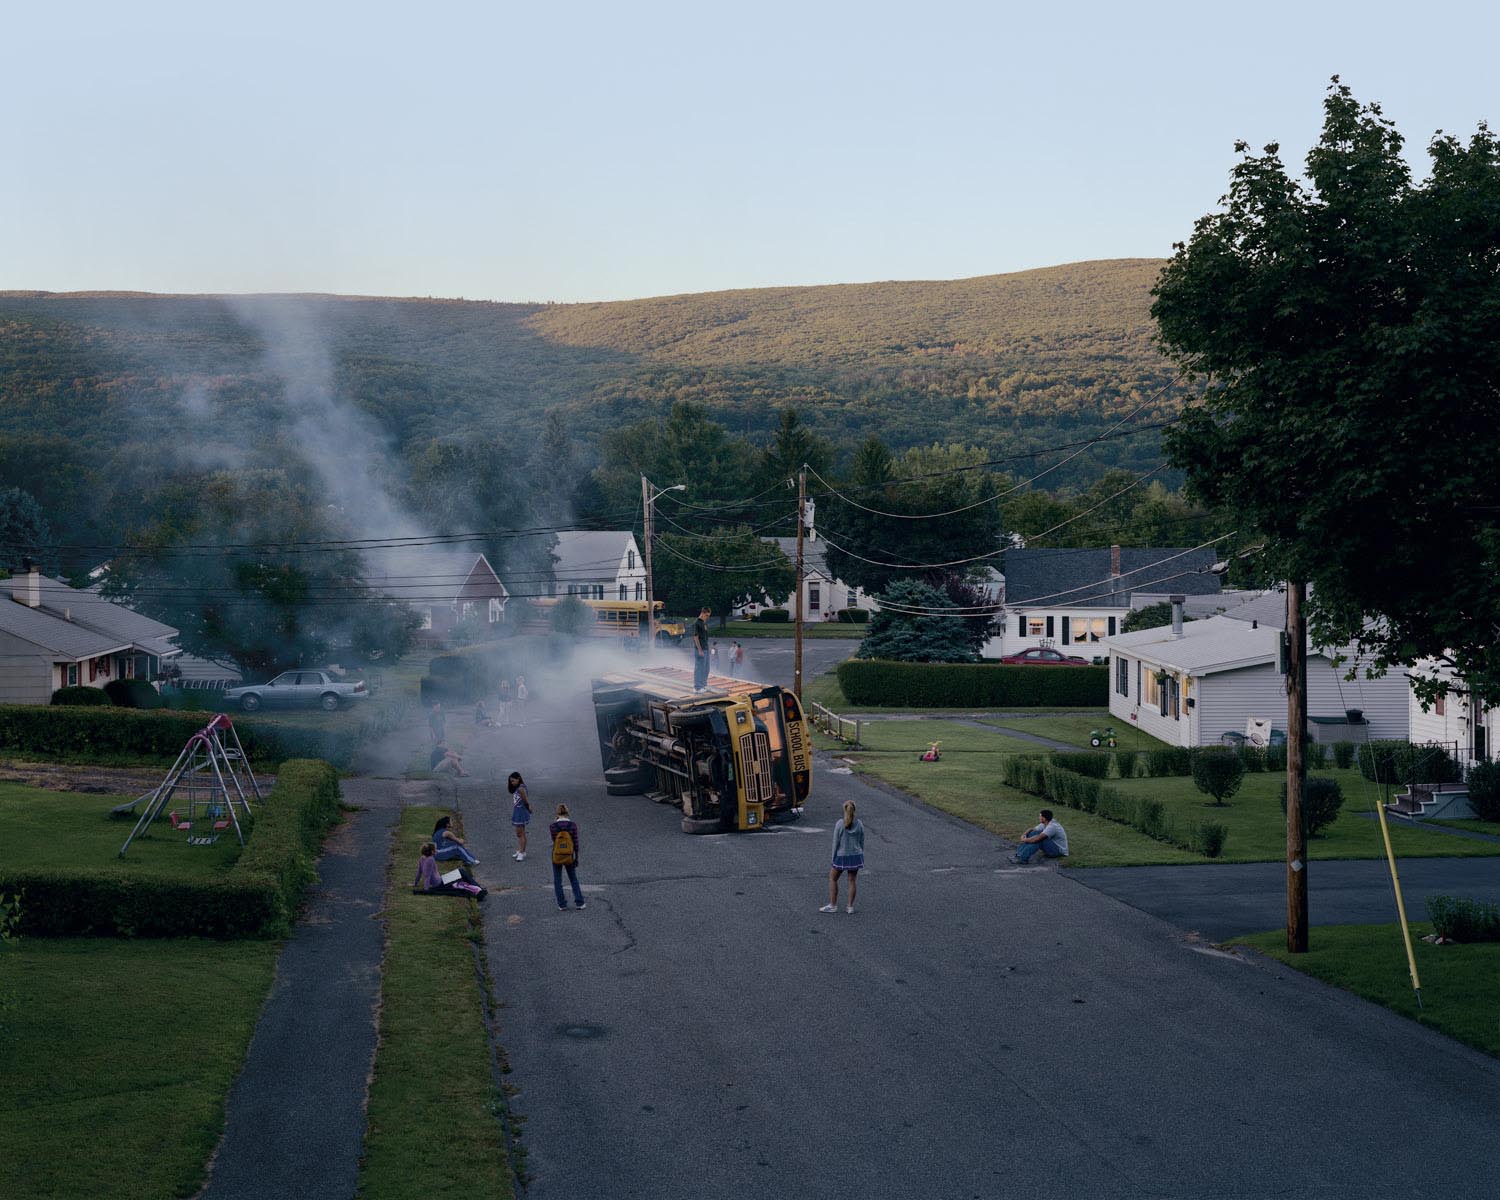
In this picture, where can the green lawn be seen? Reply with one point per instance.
(41, 829)
(1257, 828)
(967, 786)
(1458, 982)
(117, 1057)
(1490, 827)
(434, 1126)
(912, 737)
(1075, 728)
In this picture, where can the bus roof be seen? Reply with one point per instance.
(675, 683)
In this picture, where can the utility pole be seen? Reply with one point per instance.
(801, 526)
(646, 499)
(1296, 769)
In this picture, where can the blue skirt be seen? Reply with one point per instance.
(848, 862)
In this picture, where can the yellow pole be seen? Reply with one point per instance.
(1411, 958)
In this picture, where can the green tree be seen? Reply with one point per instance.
(572, 617)
(725, 570)
(1152, 616)
(1343, 333)
(930, 507)
(792, 445)
(1217, 772)
(905, 630)
(24, 532)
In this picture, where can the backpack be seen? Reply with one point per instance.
(563, 854)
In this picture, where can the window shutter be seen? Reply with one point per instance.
(1050, 621)
(1111, 627)
(1067, 628)
(1021, 625)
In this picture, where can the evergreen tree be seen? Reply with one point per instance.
(905, 634)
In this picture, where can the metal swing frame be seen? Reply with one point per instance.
(213, 752)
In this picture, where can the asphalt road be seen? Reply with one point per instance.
(974, 1030)
(1225, 900)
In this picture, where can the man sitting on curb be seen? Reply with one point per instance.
(1049, 837)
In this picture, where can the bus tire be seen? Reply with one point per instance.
(631, 774)
(623, 789)
(702, 825)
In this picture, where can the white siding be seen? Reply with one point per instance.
(1010, 640)
(1384, 701)
(1455, 723)
(25, 672)
(1226, 700)
(1131, 711)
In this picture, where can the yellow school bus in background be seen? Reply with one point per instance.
(612, 618)
(735, 756)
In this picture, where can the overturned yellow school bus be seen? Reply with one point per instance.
(735, 756)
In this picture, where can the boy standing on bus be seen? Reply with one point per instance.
(700, 650)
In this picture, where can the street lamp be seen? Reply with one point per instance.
(648, 499)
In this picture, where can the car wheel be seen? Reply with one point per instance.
(250, 703)
(329, 703)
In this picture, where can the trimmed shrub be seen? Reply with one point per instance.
(1276, 756)
(1252, 758)
(1084, 762)
(1125, 763)
(1217, 772)
(1322, 798)
(1463, 920)
(1315, 754)
(1025, 772)
(773, 616)
(187, 700)
(1343, 755)
(80, 697)
(1484, 790)
(1169, 761)
(854, 616)
(257, 897)
(1395, 761)
(132, 693)
(972, 685)
(1208, 838)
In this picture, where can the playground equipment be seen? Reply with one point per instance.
(207, 778)
(1103, 737)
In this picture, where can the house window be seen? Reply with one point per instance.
(624, 589)
(467, 609)
(640, 590)
(1151, 689)
(496, 610)
(1122, 676)
(1089, 629)
(814, 597)
(598, 591)
(1035, 627)
(630, 560)
(72, 674)
(427, 618)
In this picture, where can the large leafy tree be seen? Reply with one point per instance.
(925, 514)
(1344, 330)
(724, 569)
(227, 561)
(24, 532)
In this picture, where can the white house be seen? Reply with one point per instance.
(1189, 688)
(823, 593)
(1457, 719)
(598, 565)
(1078, 599)
(53, 635)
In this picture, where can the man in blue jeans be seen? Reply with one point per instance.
(1049, 837)
(700, 650)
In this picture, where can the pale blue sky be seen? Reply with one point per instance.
(588, 151)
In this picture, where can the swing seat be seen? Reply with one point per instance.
(178, 822)
(219, 826)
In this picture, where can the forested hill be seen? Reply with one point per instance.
(107, 398)
(1005, 360)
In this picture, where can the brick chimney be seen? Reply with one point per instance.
(26, 587)
(1114, 561)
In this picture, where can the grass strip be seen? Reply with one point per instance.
(1458, 982)
(118, 1057)
(434, 1128)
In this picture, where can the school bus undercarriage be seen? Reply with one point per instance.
(733, 757)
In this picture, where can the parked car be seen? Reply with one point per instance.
(297, 689)
(1044, 656)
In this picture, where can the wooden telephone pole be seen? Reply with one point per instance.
(801, 526)
(646, 555)
(1296, 769)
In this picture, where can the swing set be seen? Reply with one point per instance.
(211, 780)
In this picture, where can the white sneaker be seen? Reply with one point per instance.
(850, 909)
(829, 908)
(521, 857)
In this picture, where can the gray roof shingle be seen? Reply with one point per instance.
(1081, 578)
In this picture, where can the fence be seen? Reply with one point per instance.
(836, 726)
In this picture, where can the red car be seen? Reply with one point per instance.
(1044, 656)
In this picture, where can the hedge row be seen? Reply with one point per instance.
(158, 736)
(1395, 761)
(257, 897)
(972, 685)
(1047, 778)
